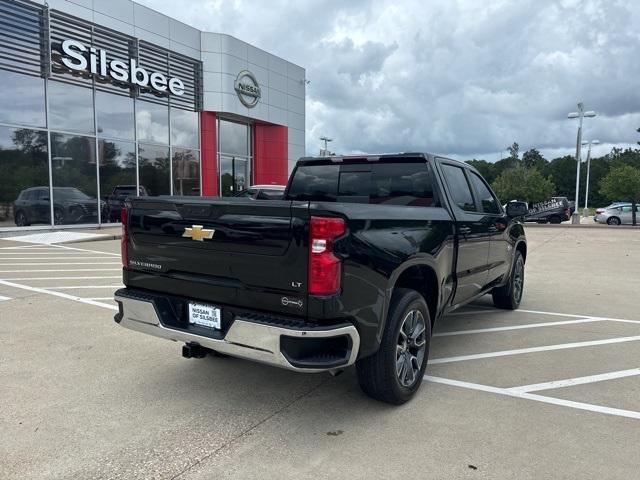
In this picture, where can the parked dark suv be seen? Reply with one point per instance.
(70, 206)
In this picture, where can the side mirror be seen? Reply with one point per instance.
(517, 209)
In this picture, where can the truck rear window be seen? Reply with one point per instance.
(409, 184)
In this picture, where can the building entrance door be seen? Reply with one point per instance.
(234, 157)
(234, 175)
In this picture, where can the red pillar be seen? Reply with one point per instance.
(270, 154)
(208, 154)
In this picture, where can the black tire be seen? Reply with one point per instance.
(381, 375)
(613, 221)
(509, 295)
(21, 219)
(555, 219)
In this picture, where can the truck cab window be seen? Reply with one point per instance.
(488, 201)
(409, 184)
(459, 187)
(314, 182)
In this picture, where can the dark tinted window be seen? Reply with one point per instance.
(489, 203)
(386, 183)
(315, 182)
(270, 194)
(459, 187)
(403, 184)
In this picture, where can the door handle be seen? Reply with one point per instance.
(465, 230)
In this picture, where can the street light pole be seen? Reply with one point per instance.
(326, 140)
(580, 114)
(586, 193)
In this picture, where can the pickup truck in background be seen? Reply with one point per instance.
(353, 266)
(554, 210)
(115, 201)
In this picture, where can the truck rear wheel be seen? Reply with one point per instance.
(394, 373)
(509, 296)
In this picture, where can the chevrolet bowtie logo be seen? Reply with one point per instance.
(196, 232)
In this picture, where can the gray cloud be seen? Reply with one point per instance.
(462, 78)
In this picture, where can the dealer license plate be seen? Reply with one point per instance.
(204, 315)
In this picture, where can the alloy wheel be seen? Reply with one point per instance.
(518, 279)
(410, 348)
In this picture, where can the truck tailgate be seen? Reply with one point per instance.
(238, 252)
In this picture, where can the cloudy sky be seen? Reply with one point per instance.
(463, 78)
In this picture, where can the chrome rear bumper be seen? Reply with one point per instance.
(245, 339)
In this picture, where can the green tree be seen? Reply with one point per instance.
(623, 183)
(486, 169)
(534, 159)
(523, 184)
(514, 151)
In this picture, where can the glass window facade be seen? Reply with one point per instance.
(185, 166)
(70, 154)
(22, 99)
(153, 122)
(154, 168)
(115, 116)
(24, 183)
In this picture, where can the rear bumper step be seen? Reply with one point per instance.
(301, 348)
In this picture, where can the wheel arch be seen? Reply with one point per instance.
(521, 247)
(420, 276)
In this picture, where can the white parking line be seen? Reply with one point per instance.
(65, 270)
(65, 247)
(32, 247)
(569, 382)
(538, 398)
(521, 310)
(516, 327)
(58, 253)
(58, 294)
(61, 278)
(545, 348)
(82, 287)
(100, 298)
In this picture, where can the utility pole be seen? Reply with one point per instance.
(580, 114)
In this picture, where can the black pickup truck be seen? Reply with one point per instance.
(353, 266)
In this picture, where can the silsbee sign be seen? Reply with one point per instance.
(77, 56)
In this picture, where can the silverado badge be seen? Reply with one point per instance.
(196, 232)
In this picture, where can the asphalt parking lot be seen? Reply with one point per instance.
(549, 391)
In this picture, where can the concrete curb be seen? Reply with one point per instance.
(86, 240)
(582, 225)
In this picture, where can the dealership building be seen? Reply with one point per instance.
(101, 97)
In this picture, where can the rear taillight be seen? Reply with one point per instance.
(124, 242)
(324, 267)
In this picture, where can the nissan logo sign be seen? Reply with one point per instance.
(247, 88)
(80, 58)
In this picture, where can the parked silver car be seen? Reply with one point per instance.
(614, 204)
(617, 215)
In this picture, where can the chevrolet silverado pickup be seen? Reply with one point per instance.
(353, 266)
